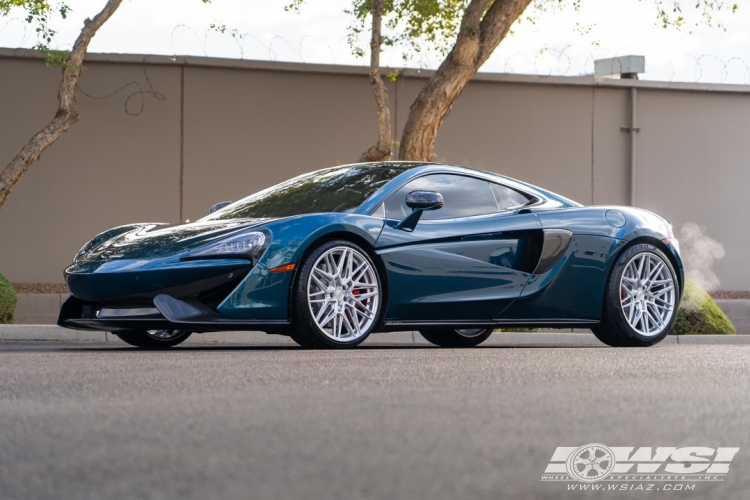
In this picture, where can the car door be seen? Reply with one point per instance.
(465, 261)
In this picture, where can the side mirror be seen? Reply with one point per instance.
(419, 201)
(219, 206)
(424, 200)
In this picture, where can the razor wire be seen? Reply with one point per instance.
(567, 61)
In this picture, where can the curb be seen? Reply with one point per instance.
(545, 339)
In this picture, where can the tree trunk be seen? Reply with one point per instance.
(67, 113)
(383, 149)
(482, 29)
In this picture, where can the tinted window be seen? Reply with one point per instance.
(463, 196)
(332, 190)
(507, 197)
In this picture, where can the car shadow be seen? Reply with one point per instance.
(293, 348)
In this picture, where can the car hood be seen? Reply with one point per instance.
(154, 240)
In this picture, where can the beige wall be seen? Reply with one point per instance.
(225, 129)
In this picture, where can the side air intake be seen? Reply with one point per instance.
(556, 241)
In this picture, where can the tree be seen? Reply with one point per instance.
(384, 147)
(466, 32)
(39, 11)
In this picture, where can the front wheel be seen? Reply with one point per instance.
(462, 337)
(337, 297)
(641, 299)
(153, 339)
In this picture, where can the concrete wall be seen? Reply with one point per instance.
(212, 130)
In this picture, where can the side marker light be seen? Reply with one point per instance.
(282, 269)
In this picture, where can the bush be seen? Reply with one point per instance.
(8, 300)
(699, 315)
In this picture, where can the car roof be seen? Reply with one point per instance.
(417, 169)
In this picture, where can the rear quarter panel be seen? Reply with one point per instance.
(574, 288)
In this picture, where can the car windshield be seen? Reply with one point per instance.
(338, 189)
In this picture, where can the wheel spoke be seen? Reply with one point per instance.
(330, 266)
(640, 267)
(638, 316)
(325, 276)
(664, 305)
(365, 311)
(338, 325)
(661, 292)
(359, 284)
(360, 268)
(656, 317)
(656, 270)
(661, 282)
(341, 264)
(349, 326)
(328, 318)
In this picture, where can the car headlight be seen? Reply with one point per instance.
(242, 245)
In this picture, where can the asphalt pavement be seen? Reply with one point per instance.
(101, 420)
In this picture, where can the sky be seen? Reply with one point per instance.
(563, 42)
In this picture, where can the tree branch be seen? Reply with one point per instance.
(383, 149)
(496, 23)
(483, 26)
(67, 112)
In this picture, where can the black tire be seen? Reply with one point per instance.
(305, 330)
(615, 330)
(445, 337)
(153, 339)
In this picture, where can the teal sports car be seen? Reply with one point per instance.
(335, 255)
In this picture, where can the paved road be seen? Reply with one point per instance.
(100, 420)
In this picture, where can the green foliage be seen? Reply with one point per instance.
(8, 300)
(39, 13)
(517, 330)
(669, 12)
(699, 315)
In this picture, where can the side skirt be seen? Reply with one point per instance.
(392, 326)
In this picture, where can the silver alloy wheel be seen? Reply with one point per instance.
(647, 294)
(470, 332)
(343, 294)
(165, 334)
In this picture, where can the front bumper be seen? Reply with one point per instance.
(167, 293)
(163, 313)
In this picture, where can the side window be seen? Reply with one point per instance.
(507, 197)
(463, 196)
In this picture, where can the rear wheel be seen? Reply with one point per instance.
(337, 297)
(641, 299)
(153, 339)
(462, 337)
